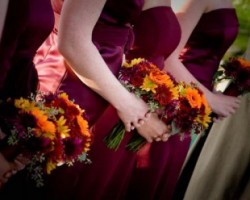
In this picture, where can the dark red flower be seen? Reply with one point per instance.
(163, 95)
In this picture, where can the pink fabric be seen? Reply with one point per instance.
(50, 65)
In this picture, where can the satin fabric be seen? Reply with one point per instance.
(211, 38)
(108, 174)
(157, 33)
(28, 24)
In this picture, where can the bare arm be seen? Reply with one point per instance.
(188, 13)
(75, 43)
(155, 3)
(3, 11)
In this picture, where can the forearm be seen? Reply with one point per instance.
(181, 73)
(3, 11)
(91, 69)
(78, 20)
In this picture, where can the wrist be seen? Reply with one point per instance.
(122, 102)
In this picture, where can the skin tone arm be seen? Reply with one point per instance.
(188, 14)
(155, 3)
(3, 11)
(77, 22)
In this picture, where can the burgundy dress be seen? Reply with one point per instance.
(108, 174)
(157, 33)
(209, 41)
(28, 24)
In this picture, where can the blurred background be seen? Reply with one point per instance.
(239, 47)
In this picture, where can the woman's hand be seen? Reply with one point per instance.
(8, 169)
(154, 129)
(221, 104)
(134, 112)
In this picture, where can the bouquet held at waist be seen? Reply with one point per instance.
(236, 70)
(50, 130)
(180, 105)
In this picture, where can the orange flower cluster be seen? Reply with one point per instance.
(51, 130)
(193, 111)
(238, 71)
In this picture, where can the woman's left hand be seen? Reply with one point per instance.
(8, 169)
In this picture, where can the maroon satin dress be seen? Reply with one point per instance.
(108, 175)
(28, 23)
(158, 165)
(208, 43)
(211, 38)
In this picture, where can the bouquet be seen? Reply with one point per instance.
(237, 71)
(50, 130)
(180, 105)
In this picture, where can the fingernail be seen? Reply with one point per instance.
(7, 175)
(14, 172)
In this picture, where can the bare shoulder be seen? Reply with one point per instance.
(190, 5)
(215, 4)
(155, 3)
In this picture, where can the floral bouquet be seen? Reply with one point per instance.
(237, 71)
(50, 130)
(177, 104)
(191, 113)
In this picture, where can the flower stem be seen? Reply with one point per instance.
(114, 139)
(136, 142)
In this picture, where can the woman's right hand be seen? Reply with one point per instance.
(222, 105)
(154, 129)
(133, 113)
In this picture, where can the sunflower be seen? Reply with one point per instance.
(133, 62)
(62, 128)
(148, 84)
(161, 78)
(194, 98)
(42, 121)
(24, 104)
(83, 125)
(50, 165)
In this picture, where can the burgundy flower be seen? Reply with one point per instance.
(163, 95)
(38, 144)
(73, 147)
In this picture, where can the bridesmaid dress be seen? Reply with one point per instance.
(28, 23)
(108, 174)
(48, 61)
(202, 55)
(222, 170)
(208, 43)
(157, 33)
